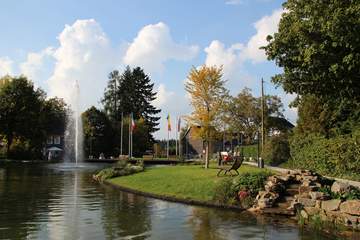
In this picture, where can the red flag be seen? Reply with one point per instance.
(133, 125)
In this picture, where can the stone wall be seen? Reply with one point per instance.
(297, 192)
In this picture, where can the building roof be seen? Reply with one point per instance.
(54, 149)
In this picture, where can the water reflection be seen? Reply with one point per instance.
(60, 202)
(125, 215)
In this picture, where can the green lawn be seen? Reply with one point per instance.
(186, 182)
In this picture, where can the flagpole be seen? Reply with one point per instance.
(121, 133)
(178, 129)
(129, 137)
(176, 137)
(132, 119)
(168, 145)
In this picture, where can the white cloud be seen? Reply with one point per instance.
(84, 55)
(162, 96)
(153, 46)
(236, 54)
(34, 63)
(6, 66)
(233, 57)
(218, 55)
(267, 25)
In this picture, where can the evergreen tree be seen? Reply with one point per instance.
(131, 92)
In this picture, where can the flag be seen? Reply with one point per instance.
(179, 124)
(169, 122)
(133, 125)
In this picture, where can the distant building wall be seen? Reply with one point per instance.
(193, 145)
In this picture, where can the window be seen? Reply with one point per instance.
(57, 140)
(49, 140)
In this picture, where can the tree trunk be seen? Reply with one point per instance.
(207, 155)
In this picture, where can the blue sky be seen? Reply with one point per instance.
(58, 42)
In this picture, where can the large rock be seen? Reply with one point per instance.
(351, 207)
(334, 216)
(349, 220)
(304, 214)
(331, 205)
(318, 195)
(307, 189)
(310, 178)
(312, 210)
(307, 202)
(340, 187)
(266, 199)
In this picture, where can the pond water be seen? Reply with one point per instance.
(55, 201)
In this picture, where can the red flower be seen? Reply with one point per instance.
(243, 194)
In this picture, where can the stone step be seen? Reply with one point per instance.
(284, 205)
(291, 192)
(293, 186)
(287, 199)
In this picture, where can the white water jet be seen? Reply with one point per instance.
(74, 130)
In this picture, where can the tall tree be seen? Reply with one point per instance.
(318, 45)
(51, 120)
(20, 105)
(132, 92)
(243, 113)
(207, 92)
(98, 132)
(27, 116)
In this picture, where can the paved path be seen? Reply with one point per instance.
(284, 170)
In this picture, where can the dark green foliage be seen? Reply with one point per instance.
(318, 46)
(20, 105)
(243, 114)
(226, 191)
(19, 150)
(251, 182)
(329, 118)
(276, 150)
(334, 157)
(98, 133)
(131, 92)
(248, 150)
(120, 169)
(27, 117)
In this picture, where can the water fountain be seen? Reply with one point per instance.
(74, 131)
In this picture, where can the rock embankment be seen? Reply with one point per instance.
(303, 193)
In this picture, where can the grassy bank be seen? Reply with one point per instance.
(185, 182)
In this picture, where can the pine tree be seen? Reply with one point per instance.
(131, 92)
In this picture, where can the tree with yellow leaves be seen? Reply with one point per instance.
(207, 92)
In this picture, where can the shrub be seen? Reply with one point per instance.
(19, 150)
(223, 192)
(251, 182)
(248, 150)
(120, 169)
(276, 150)
(335, 156)
(226, 191)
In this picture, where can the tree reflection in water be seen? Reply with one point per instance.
(126, 215)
